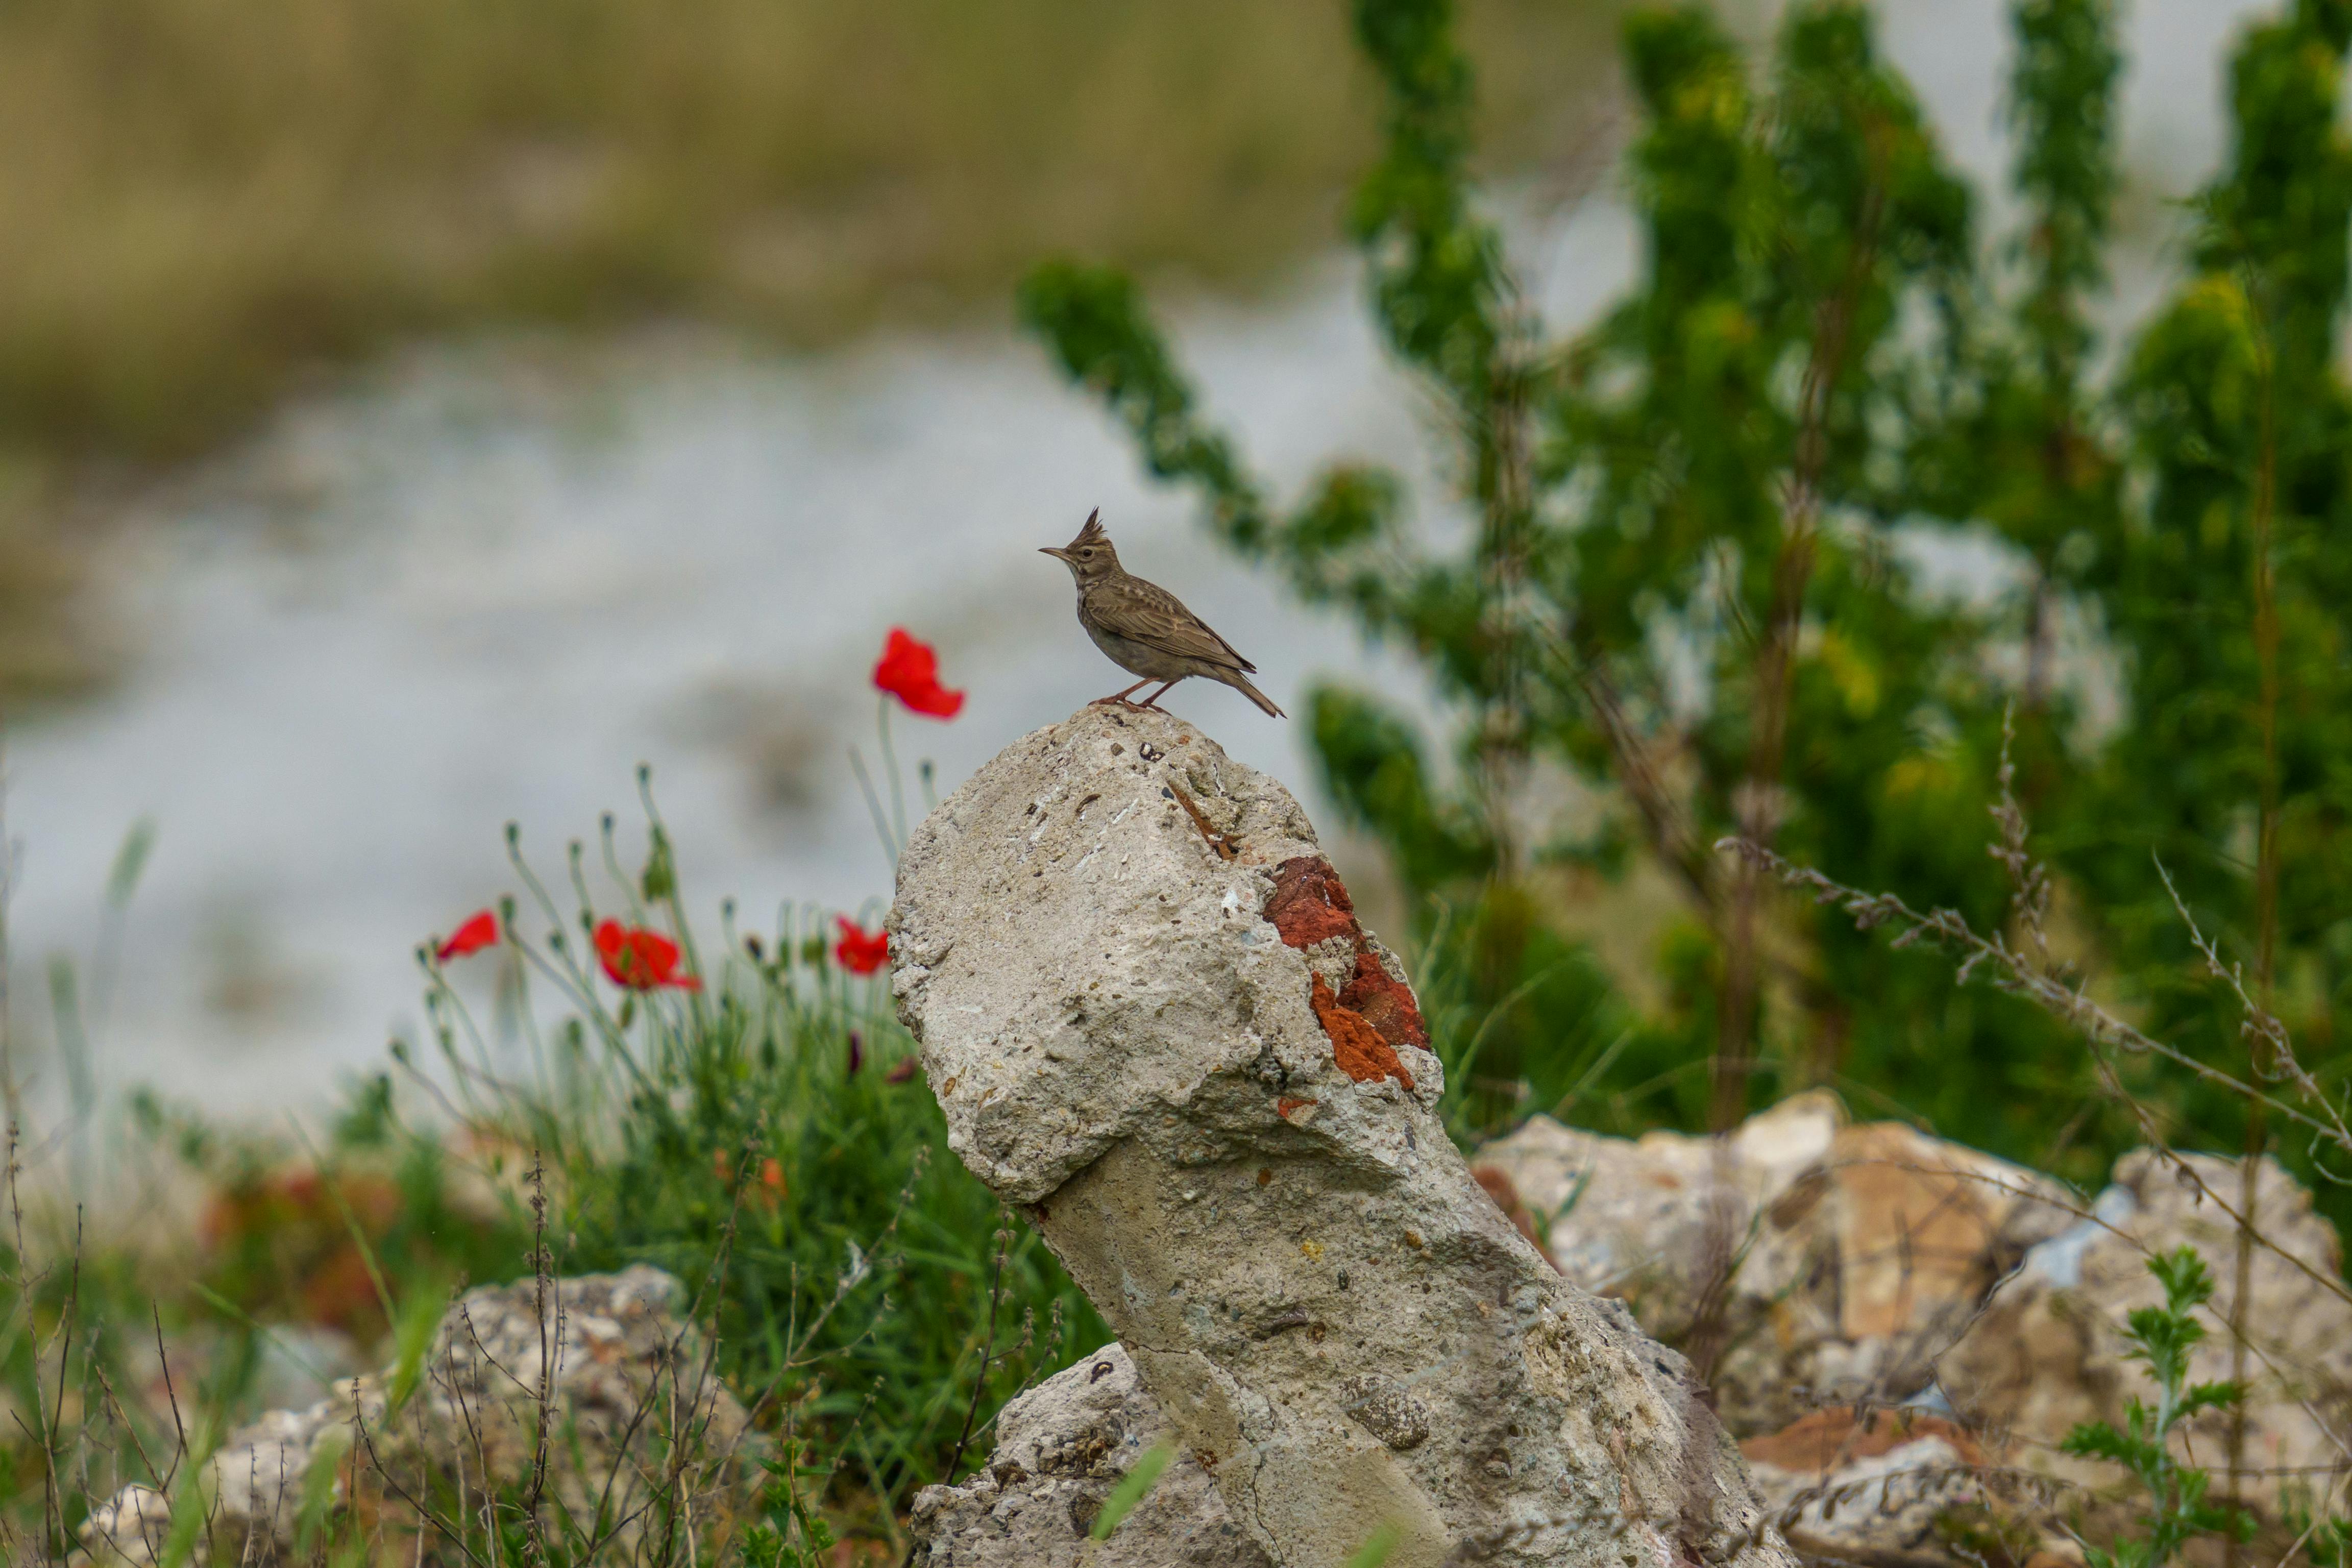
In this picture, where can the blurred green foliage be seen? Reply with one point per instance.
(1689, 601)
(1687, 604)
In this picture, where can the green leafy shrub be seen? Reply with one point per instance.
(1689, 581)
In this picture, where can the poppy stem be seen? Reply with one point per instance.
(898, 780)
(671, 897)
(874, 807)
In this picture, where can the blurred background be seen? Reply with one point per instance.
(413, 415)
(1878, 431)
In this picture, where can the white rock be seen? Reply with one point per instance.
(128, 1530)
(1839, 1260)
(1135, 982)
(632, 1387)
(1887, 1509)
(1060, 1449)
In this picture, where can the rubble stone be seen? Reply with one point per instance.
(639, 1428)
(1837, 1261)
(1060, 1448)
(1881, 1491)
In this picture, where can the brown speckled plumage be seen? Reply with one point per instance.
(1145, 629)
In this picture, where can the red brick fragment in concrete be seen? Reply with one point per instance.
(1374, 1012)
(1310, 903)
(1386, 1003)
(1356, 1046)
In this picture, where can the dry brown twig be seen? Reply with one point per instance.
(2011, 970)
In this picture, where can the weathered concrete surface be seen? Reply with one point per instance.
(638, 1425)
(1152, 1019)
(1839, 1261)
(2048, 1352)
(1060, 1449)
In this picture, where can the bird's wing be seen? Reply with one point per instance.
(1150, 614)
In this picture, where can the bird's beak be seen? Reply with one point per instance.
(1061, 556)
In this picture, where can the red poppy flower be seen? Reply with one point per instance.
(910, 672)
(640, 959)
(772, 1176)
(480, 930)
(859, 950)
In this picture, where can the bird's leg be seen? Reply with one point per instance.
(1152, 701)
(1121, 697)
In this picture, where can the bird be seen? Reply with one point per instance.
(1145, 629)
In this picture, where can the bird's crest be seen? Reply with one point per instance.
(1090, 556)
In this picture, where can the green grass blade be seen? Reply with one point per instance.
(1132, 1487)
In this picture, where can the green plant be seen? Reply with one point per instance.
(765, 1130)
(796, 1534)
(133, 1345)
(2327, 1540)
(1132, 1489)
(2176, 1511)
(1695, 488)
(1688, 606)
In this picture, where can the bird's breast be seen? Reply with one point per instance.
(1135, 658)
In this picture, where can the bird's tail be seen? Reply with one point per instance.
(1239, 683)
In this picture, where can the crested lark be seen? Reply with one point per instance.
(1145, 629)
